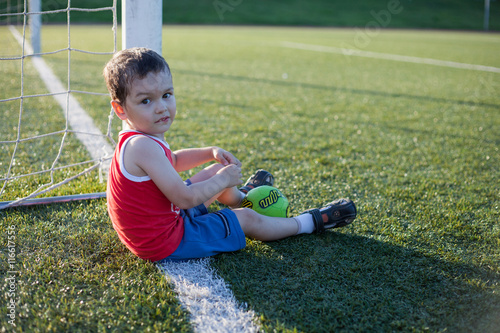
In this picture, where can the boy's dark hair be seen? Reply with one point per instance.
(128, 65)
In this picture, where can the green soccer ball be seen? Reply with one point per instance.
(267, 200)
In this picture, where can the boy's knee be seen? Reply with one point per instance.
(248, 214)
(248, 218)
(214, 168)
(206, 173)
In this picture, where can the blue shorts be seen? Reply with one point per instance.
(207, 234)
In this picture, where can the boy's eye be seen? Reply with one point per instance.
(145, 101)
(167, 95)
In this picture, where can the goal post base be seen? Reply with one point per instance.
(51, 200)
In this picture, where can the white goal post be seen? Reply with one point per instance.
(141, 26)
(35, 24)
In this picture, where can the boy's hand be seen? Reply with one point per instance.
(224, 157)
(231, 174)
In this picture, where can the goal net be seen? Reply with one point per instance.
(56, 134)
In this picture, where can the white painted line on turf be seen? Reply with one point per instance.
(83, 125)
(388, 56)
(206, 296)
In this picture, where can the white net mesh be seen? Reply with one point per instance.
(52, 132)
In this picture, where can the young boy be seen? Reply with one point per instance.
(156, 214)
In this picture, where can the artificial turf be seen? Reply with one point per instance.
(414, 145)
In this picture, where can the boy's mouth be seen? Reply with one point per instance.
(163, 120)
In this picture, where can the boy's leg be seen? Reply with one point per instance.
(231, 197)
(265, 228)
(337, 214)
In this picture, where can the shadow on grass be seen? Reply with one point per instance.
(420, 98)
(336, 282)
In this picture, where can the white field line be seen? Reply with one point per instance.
(206, 296)
(86, 131)
(388, 56)
(203, 293)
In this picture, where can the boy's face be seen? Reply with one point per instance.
(150, 106)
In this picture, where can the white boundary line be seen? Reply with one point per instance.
(211, 303)
(86, 131)
(203, 293)
(388, 56)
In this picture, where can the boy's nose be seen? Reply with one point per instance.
(162, 107)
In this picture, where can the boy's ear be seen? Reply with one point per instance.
(118, 108)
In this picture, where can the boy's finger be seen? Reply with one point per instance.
(222, 159)
(233, 160)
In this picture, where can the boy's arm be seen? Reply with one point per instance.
(145, 155)
(187, 159)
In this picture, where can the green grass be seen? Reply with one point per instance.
(415, 146)
(74, 276)
(42, 115)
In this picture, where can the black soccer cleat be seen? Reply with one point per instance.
(261, 177)
(338, 213)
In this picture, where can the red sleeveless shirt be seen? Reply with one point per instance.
(146, 221)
